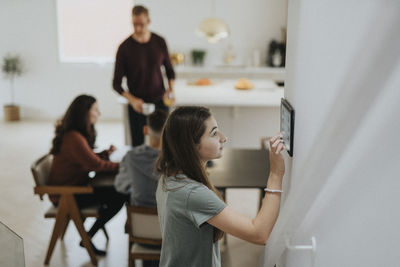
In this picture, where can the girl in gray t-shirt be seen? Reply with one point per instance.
(192, 215)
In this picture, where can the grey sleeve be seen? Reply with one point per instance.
(122, 182)
(203, 204)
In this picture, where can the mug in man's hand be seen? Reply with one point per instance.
(148, 108)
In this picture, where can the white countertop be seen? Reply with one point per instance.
(230, 72)
(227, 68)
(223, 93)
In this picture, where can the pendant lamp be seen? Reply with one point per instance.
(212, 28)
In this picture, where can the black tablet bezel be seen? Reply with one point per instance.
(285, 104)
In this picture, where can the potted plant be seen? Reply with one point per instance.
(12, 67)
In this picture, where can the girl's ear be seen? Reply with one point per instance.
(198, 146)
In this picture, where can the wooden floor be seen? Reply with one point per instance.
(20, 144)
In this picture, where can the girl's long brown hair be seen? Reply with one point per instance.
(181, 135)
(76, 118)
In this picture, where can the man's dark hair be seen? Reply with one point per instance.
(138, 10)
(156, 120)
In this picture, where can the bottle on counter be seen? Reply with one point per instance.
(229, 55)
(256, 58)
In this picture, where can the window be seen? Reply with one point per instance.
(91, 30)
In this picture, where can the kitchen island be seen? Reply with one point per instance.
(223, 93)
(244, 116)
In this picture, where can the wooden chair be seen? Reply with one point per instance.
(67, 207)
(143, 228)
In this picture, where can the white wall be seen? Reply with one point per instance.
(48, 86)
(343, 79)
(45, 90)
(253, 24)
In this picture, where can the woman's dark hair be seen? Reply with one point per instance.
(181, 135)
(76, 118)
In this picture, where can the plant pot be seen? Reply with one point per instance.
(11, 112)
(198, 57)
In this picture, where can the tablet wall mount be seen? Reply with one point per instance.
(287, 125)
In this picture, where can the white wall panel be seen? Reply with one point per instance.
(343, 76)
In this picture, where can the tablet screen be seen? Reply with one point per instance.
(287, 125)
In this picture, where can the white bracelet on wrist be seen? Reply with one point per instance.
(272, 190)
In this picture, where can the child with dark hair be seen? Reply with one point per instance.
(137, 175)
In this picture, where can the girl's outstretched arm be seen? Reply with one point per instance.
(257, 230)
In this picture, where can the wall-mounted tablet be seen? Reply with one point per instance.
(287, 125)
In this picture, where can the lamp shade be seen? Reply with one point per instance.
(213, 29)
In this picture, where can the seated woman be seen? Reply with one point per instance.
(192, 215)
(73, 144)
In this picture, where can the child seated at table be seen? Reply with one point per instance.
(136, 175)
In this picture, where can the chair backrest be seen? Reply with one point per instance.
(143, 224)
(41, 170)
